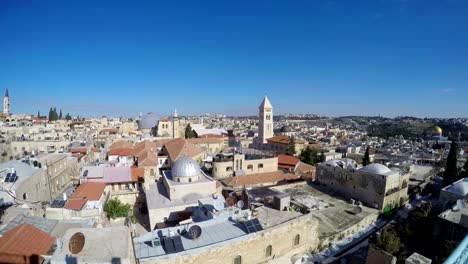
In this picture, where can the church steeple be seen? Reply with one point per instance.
(6, 103)
(265, 124)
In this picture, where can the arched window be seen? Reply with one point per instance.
(268, 251)
(260, 165)
(297, 239)
(178, 179)
(250, 167)
(190, 179)
(238, 260)
(25, 196)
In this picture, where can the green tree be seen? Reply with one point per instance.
(389, 241)
(366, 159)
(291, 149)
(60, 115)
(68, 117)
(310, 156)
(321, 158)
(114, 208)
(451, 170)
(189, 133)
(50, 114)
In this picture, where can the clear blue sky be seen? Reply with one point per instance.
(332, 58)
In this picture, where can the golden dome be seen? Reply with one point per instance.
(437, 130)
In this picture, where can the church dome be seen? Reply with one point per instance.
(148, 121)
(286, 129)
(186, 167)
(376, 168)
(437, 130)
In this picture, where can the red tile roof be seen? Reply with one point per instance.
(121, 144)
(88, 191)
(284, 139)
(147, 158)
(138, 174)
(25, 240)
(287, 161)
(178, 147)
(121, 152)
(145, 145)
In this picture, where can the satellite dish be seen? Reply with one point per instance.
(77, 242)
(195, 232)
(240, 204)
(357, 210)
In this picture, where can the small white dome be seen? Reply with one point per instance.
(460, 188)
(376, 168)
(186, 167)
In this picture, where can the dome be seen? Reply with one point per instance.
(148, 121)
(286, 129)
(437, 130)
(460, 188)
(186, 167)
(376, 168)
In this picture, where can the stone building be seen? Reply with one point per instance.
(279, 144)
(29, 182)
(60, 171)
(171, 198)
(374, 185)
(234, 164)
(453, 192)
(272, 233)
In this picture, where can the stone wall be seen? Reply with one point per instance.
(377, 255)
(248, 166)
(253, 248)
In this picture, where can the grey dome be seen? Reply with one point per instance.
(286, 129)
(148, 121)
(186, 167)
(376, 168)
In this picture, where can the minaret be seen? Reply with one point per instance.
(6, 103)
(265, 124)
(175, 125)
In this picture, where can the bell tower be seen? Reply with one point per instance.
(265, 124)
(6, 103)
(175, 125)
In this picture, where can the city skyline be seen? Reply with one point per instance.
(393, 58)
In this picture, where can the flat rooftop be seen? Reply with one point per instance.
(219, 231)
(334, 214)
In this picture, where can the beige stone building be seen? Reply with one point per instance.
(279, 144)
(275, 234)
(374, 185)
(227, 165)
(60, 170)
(177, 191)
(210, 145)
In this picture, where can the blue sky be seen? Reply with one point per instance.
(388, 57)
